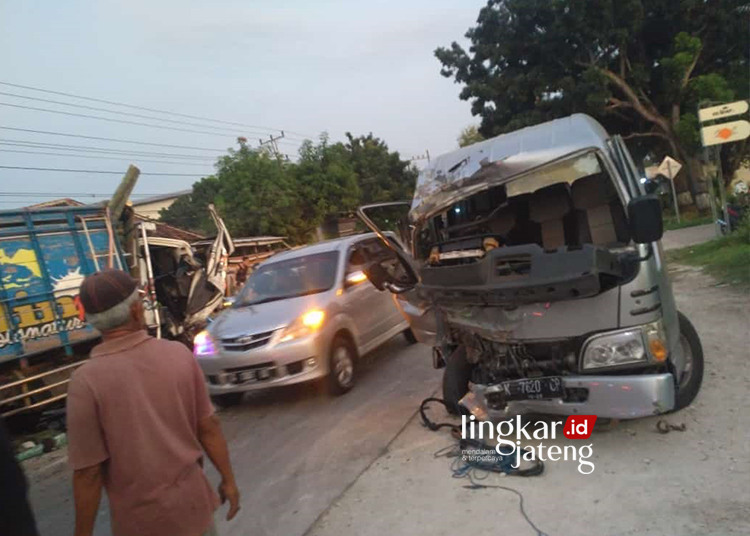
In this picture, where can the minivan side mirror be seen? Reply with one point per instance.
(645, 219)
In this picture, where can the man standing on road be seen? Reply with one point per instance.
(139, 419)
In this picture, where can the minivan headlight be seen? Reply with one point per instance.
(305, 325)
(620, 348)
(203, 344)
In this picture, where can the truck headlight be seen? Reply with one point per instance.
(614, 349)
(203, 344)
(305, 325)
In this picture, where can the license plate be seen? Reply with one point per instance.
(533, 389)
(246, 376)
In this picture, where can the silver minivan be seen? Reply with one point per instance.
(534, 269)
(304, 314)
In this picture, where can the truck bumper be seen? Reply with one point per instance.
(614, 397)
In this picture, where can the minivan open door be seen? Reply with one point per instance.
(393, 268)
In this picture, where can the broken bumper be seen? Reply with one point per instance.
(614, 397)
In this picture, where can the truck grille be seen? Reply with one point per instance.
(247, 342)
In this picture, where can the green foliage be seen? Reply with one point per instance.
(637, 66)
(726, 258)
(259, 194)
(469, 135)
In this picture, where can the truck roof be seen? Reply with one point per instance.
(454, 175)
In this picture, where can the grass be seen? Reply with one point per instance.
(687, 219)
(727, 258)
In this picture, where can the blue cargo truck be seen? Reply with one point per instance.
(44, 256)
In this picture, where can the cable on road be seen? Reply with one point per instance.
(477, 467)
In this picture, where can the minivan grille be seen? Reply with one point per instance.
(247, 342)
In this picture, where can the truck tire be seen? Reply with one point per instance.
(690, 381)
(456, 380)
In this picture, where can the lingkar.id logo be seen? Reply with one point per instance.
(575, 427)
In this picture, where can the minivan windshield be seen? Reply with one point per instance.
(300, 276)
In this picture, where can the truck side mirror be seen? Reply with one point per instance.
(645, 219)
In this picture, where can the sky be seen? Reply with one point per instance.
(305, 67)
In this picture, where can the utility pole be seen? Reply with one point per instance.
(271, 142)
(425, 156)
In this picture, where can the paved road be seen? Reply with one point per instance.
(294, 450)
(689, 236)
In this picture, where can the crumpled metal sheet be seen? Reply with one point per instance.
(460, 173)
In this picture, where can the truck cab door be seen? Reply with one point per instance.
(209, 284)
(391, 266)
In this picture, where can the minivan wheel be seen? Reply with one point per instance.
(227, 400)
(689, 382)
(409, 336)
(342, 366)
(456, 380)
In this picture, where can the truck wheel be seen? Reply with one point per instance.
(689, 382)
(227, 400)
(341, 368)
(456, 380)
(409, 336)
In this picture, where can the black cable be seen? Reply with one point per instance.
(111, 139)
(102, 172)
(66, 194)
(130, 114)
(475, 485)
(98, 150)
(103, 101)
(111, 120)
(97, 157)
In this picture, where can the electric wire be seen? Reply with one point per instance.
(155, 110)
(101, 171)
(103, 150)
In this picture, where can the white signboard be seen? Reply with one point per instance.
(669, 167)
(720, 112)
(725, 133)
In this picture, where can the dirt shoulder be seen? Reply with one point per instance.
(691, 482)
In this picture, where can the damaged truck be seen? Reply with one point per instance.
(533, 267)
(44, 255)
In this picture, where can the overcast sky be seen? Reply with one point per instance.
(304, 66)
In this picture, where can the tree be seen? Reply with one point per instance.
(253, 192)
(257, 193)
(382, 175)
(469, 135)
(640, 67)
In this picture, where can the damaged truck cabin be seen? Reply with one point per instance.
(536, 273)
(44, 256)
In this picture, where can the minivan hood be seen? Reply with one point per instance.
(251, 319)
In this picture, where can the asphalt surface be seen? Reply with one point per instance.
(294, 450)
(689, 236)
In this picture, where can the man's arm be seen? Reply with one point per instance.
(87, 492)
(212, 439)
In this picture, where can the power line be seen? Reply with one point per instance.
(129, 114)
(101, 172)
(96, 150)
(134, 107)
(111, 139)
(97, 157)
(66, 194)
(111, 120)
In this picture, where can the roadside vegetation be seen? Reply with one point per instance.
(727, 258)
(687, 219)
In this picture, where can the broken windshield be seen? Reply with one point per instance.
(291, 278)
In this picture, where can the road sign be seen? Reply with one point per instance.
(725, 133)
(669, 167)
(724, 110)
